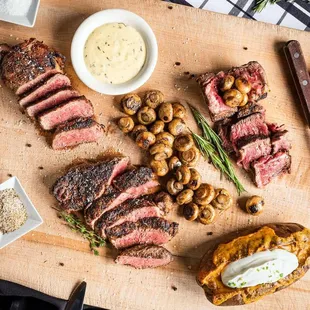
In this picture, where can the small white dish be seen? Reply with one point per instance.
(28, 20)
(34, 219)
(113, 16)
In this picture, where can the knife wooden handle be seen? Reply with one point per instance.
(298, 68)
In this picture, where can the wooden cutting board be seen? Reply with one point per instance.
(53, 259)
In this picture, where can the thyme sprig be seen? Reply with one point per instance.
(210, 146)
(77, 225)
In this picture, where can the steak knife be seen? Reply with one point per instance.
(76, 299)
(298, 68)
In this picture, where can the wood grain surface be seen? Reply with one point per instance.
(201, 41)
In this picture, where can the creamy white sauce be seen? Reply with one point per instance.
(259, 268)
(114, 53)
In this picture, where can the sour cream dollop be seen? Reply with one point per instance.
(259, 268)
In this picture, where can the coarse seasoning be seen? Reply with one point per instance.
(13, 213)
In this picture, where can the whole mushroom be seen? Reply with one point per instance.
(186, 196)
(195, 179)
(146, 115)
(153, 98)
(183, 174)
(204, 194)
(206, 215)
(145, 139)
(165, 112)
(191, 211)
(178, 110)
(126, 124)
(190, 157)
(161, 151)
(160, 167)
(255, 205)
(174, 187)
(177, 126)
(131, 103)
(222, 199)
(183, 143)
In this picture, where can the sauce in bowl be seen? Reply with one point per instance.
(114, 53)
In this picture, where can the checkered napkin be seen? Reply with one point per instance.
(293, 14)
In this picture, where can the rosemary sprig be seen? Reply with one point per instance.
(210, 145)
(76, 225)
(261, 4)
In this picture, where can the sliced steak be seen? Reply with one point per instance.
(129, 185)
(28, 63)
(270, 166)
(249, 109)
(136, 182)
(52, 83)
(75, 132)
(144, 256)
(252, 150)
(223, 130)
(280, 142)
(164, 201)
(105, 203)
(51, 100)
(150, 230)
(255, 74)
(210, 84)
(73, 108)
(252, 125)
(129, 211)
(83, 184)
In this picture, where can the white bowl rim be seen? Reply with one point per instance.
(109, 16)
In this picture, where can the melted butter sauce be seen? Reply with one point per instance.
(114, 53)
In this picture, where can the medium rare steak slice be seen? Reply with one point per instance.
(51, 100)
(144, 256)
(223, 130)
(129, 211)
(210, 84)
(82, 184)
(28, 63)
(105, 203)
(136, 182)
(270, 166)
(73, 108)
(253, 125)
(75, 132)
(252, 150)
(129, 185)
(150, 230)
(280, 142)
(51, 84)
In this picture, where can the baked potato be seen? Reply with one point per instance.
(291, 237)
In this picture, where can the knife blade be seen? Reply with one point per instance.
(298, 68)
(76, 299)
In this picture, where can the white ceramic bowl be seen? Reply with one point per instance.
(28, 20)
(113, 16)
(34, 219)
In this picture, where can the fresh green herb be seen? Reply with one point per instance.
(76, 225)
(281, 275)
(261, 4)
(231, 284)
(243, 284)
(210, 146)
(240, 279)
(257, 270)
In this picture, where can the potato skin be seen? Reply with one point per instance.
(283, 230)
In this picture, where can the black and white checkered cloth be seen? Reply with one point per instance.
(293, 14)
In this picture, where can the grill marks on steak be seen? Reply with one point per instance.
(270, 166)
(53, 83)
(210, 85)
(71, 109)
(75, 132)
(151, 230)
(83, 184)
(129, 185)
(28, 63)
(144, 256)
(51, 100)
(131, 211)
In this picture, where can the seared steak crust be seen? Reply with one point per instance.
(133, 178)
(216, 293)
(126, 228)
(83, 184)
(26, 62)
